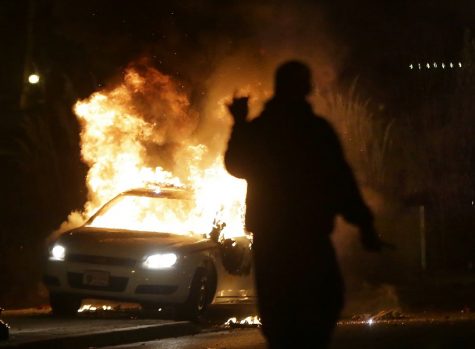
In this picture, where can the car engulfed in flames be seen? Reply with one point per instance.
(151, 246)
(160, 244)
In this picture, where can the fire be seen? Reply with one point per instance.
(249, 321)
(141, 132)
(91, 308)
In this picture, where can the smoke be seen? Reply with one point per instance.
(210, 49)
(369, 277)
(183, 103)
(245, 63)
(300, 32)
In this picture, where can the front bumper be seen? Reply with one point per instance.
(128, 283)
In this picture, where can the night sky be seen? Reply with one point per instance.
(94, 40)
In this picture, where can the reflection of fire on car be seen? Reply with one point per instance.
(141, 247)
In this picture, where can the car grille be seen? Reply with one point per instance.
(116, 284)
(101, 260)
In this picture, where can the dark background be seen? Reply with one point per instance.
(79, 47)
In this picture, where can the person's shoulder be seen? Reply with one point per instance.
(324, 128)
(322, 122)
(260, 120)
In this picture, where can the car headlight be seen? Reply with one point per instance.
(57, 253)
(160, 261)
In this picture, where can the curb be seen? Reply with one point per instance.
(111, 337)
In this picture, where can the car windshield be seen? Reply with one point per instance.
(150, 213)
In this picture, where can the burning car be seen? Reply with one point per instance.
(149, 246)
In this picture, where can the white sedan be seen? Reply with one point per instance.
(125, 253)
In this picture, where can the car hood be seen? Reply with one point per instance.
(124, 243)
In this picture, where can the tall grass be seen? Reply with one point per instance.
(367, 136)
(424, 156)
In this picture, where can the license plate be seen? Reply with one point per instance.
(95, 278)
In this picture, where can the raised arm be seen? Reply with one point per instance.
(237, 156)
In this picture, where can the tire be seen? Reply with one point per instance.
(64, 304)
(198, 300)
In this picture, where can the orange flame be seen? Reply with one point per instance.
(142, 132)
(248, 321)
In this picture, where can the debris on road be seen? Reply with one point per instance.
(383, 315)
(391, 314)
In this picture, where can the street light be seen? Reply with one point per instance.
(34, 79)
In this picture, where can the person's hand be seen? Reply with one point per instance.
(239, 109)
(372, 242)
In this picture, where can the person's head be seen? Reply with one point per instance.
(293, 80)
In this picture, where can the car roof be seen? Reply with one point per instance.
(165, 192)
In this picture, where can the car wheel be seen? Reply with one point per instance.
(64, 304)
(198, 299)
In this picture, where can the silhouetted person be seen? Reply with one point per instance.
(298, 181)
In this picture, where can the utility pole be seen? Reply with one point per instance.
(423, 236)
(29, 65)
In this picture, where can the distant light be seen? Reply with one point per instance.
(435, 65)
(370, 322)
(34, 79)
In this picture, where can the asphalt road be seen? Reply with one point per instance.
(36, 328)
(116, 323)
(419, 333)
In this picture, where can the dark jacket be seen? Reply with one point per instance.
(295, 169)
